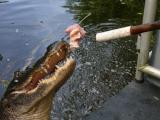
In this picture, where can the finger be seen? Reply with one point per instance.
(72, 27)
(74, 32)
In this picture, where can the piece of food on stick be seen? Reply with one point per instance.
(76, 33)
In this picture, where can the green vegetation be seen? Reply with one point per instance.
(102, 10)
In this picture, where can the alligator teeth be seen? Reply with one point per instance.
(45, 70)
(39, 82)
(57, 66)
(58, 54)
(70, 57)
(47, 66)
(42, 81)
(18, 92)
(67, 59)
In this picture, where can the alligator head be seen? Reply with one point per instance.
(29, 95)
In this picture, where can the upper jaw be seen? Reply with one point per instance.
(44, 67)
(55, 80)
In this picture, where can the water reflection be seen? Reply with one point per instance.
(102, 11)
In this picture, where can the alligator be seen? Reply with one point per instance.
(29, 96)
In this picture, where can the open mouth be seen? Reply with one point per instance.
(49, 64)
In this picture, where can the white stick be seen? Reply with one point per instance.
(113, 34)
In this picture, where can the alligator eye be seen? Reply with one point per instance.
(16, 81)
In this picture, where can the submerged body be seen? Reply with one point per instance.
(30, 94)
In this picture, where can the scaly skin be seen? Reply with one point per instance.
(31, 97)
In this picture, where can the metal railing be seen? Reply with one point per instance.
(143, 42)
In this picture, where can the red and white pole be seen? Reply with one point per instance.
(126, 31)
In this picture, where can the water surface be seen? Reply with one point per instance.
(27, 27)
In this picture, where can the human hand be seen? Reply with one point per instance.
(76, 33)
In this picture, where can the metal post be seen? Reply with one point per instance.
(152, 71)
(144, 40)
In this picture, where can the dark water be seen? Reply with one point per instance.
(27, 27)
